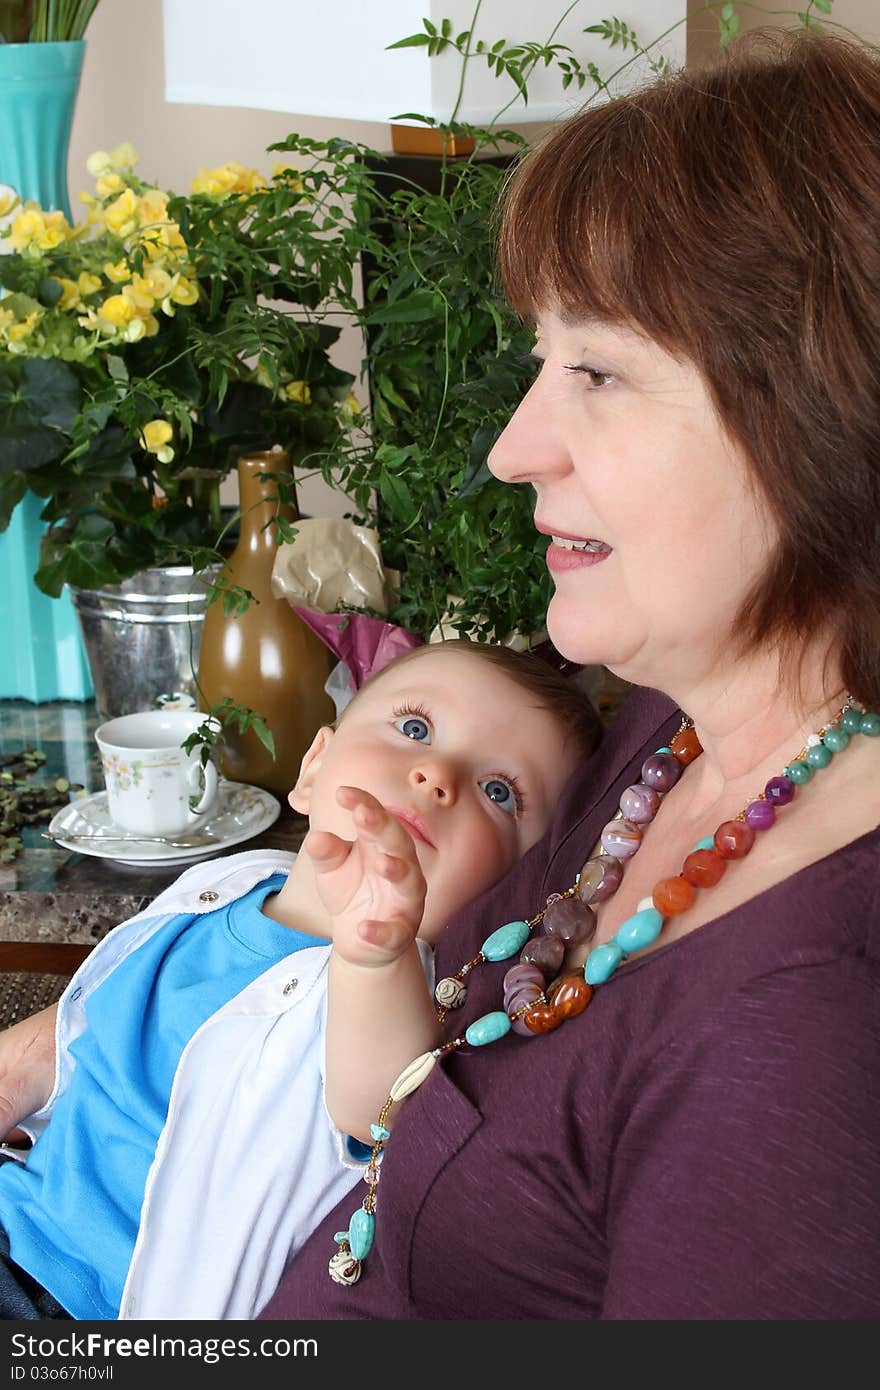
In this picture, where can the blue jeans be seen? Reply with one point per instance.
(20, 1295)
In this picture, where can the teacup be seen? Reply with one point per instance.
(153, 786)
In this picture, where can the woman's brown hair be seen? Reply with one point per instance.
(732, 214)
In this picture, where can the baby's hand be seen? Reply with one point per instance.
(373, 888)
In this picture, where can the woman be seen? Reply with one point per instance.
(704, 441)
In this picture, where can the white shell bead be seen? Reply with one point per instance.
(411, 1078)
(645, 902)
(813, 740)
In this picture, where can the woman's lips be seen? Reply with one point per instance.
(561, 558)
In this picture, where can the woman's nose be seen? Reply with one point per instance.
(527, 449)
(435, 779)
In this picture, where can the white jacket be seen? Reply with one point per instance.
(249, 1161)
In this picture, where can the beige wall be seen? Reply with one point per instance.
(122, 98)
(862, 17)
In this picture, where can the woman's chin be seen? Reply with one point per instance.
(576, 637)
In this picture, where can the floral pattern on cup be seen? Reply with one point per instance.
(121, 774)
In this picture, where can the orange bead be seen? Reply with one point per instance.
(672, 895)
(570, 995)
(542, 1018)
(703, 868)
(686, 746)
(734, 839)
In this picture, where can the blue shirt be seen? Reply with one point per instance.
(72, 1212)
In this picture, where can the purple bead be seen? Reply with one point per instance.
(519, 975)
(571, 920)
(621, 838)
(599, 879)
(779, 791)
(661, 771)
(639, 803)
(546, 952)
(760, 815)
(522, 997)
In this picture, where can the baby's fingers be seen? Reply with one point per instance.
(326, 850)
(390, 937)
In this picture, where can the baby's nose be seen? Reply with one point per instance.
(435, 778)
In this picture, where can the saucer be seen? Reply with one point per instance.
(243, 812)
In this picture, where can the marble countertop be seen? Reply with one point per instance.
(52, 894)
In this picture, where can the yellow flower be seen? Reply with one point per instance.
(98, 163)
(120, 216)
(156, 437)
(153, 207)
(231, 177)
(350, 409)
(87, 284)
(117, 273)
(290, 174)
(70, 295)
(117, 310)
(35, 230)
(9, 200)
(108, 184)
(184, 291)
(124, 156)
(298, 391)
(18, 332)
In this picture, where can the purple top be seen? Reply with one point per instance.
(701, 1143)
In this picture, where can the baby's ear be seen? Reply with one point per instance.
(300, 797)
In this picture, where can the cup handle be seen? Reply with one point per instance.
(207, 798)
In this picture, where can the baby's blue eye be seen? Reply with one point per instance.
(501, 793)
(414, 727)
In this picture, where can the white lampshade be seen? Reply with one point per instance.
(330, 58)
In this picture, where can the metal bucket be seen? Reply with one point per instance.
(142, 637)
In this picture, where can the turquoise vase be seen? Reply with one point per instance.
(38, 89)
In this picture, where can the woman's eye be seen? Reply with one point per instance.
(501, 793)
(414, 727)
(594, 377)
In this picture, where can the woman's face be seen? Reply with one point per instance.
(659, 533)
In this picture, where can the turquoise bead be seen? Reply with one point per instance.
(851, 720)
(340, 1237)
(870, 724)
(836, 739)
(799, 772)
(640, 930)
(487, 1029)
(707, 842)
(379, 1133)
(506, 941)
(361, 1229)
(819, 756)
(664, 749)
(602, 963)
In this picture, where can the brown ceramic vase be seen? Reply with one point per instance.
(266, 658)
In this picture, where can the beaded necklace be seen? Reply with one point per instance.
(537, 998)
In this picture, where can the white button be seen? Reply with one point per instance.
(290, 986)
(209, 896)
